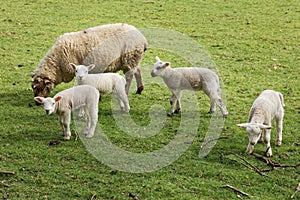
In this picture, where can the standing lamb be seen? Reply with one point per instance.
(110, 47)
(189, 78)
(104, 82)
(268, 105)
(82, 96)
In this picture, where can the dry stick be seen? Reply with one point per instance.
(272, 163)
(249, 164)
(214, 139)
(7, 172)
(236, 190)
(297, 190)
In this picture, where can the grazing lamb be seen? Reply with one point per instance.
(268, 105)
(82, 96)
(110, 47)
(104, 82)
(189, 78)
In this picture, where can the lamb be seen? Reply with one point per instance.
(104, 82)
(268, 105)
(110, 47)
(189, 78)
(64, 102)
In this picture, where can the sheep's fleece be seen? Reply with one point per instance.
(110, 47)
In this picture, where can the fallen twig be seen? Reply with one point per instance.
(297, 190)
(214, 139)
(273, 163)
(7, 172)
(247, 163)
(236, 190)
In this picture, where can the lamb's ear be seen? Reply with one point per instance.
(91, 67)
(39, 99)
(58, 98)
(244, 125)
(157, 58)
(262, 126)
(167, 64)
(73, 66)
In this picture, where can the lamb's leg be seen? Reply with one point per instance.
(279, 124)
(93, 119)
(178, 104)
(267, 142)
(250, 149)
(65, 121)
(173, 101)
(138, 78)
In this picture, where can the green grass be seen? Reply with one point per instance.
(245, 39)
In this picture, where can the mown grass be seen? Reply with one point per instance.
(255, 46)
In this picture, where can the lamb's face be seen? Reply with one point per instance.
(41, 87)
(48, 104)
(254, 133)
(159, 67)
(81, 72)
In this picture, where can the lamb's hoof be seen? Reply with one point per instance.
(170, 114)
(225, 116)
(89, 135)
(67, 138)
(211, 112)
(278, 142)
(177, 111)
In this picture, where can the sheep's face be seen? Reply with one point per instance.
(159, 67)
(42, 87)
(81, 71)
(48, 103)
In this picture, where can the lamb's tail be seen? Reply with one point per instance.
(281, 99)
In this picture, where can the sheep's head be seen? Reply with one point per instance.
(254, 131)
(81, 71)
(159, 67)
(48, 103)
(42, 86)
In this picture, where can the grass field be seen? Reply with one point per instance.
(254, 45)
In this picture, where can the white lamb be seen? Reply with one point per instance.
(104, 82)
(64, 102)
(189, 78)
(268, 105)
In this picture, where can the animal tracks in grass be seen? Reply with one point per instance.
(118, 158)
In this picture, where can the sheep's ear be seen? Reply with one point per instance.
(157, 59)
(244, 125)
(91, 67)
(167, 64)
(39, 99)
(58, 98)
(262, 126)
(73, 66)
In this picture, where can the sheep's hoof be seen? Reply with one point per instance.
(139, 90)
(211, 112)
(225, 116)
(88, 135)
(278, 142)
(67, 138)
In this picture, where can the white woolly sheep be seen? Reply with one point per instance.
(189, 78)
(110, 47)
(268, 105)
(64, 102)
(104, 82)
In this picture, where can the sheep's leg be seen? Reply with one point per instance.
(267, 142)
(65, 121)
(173, 101)
(128, 77)
(138, 78)
(279, 124)
(81, 113)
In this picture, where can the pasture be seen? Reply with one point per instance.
(253, 46)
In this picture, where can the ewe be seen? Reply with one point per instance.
(104, 82)
(64, 102)
(110, 47)
(268, 105)
(189, 78)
